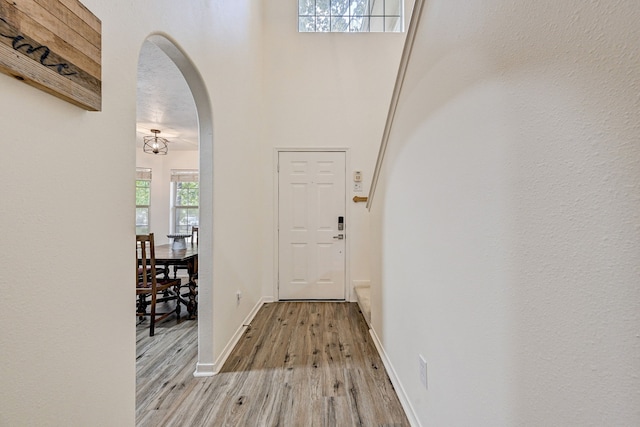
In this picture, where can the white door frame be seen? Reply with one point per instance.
(276, 215)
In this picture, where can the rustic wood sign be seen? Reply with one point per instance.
(54, 45)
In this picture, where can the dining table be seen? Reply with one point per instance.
(166, 256)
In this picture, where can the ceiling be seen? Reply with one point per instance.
(164, 101)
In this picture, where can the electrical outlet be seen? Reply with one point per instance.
(423, 371)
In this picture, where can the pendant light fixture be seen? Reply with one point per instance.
(155, 144)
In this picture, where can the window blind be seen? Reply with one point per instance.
(184, 175)
(143, 174)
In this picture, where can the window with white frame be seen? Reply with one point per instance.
(143, 200)
(350, 16)
(186, 200)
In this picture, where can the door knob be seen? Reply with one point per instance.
(339, 236)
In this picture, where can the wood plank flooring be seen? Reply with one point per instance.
(299, 364)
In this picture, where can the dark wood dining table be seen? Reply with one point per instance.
(166, 256)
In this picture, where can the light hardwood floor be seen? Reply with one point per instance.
(299, 364)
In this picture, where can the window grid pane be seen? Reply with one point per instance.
(360, 24)
(186, 218)
(143, 201)
(143, 193)
(307, 24)
(142, 220)
(350, 15)
(306, 7)
(186, 201)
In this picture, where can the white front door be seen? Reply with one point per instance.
(311, 205)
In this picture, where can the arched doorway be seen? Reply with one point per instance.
(204, 115)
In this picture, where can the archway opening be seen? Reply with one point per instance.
(202, 122)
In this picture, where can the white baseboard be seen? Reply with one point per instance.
(402, 395)
(205, 370)
(212, 369)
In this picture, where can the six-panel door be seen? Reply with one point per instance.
(311, 199)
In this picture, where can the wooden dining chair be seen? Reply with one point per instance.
(148, 284)
(194, 238)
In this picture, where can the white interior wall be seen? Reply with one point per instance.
(507, 216)
(324, 90)
(68, 337)
(236, 87)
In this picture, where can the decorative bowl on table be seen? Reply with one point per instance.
(179, 241)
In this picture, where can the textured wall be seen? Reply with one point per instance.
(67, 344)
(325, 90)
(509, 216)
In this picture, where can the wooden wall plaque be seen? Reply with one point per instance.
(54, 45)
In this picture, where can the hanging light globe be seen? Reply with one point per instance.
(155, 144)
